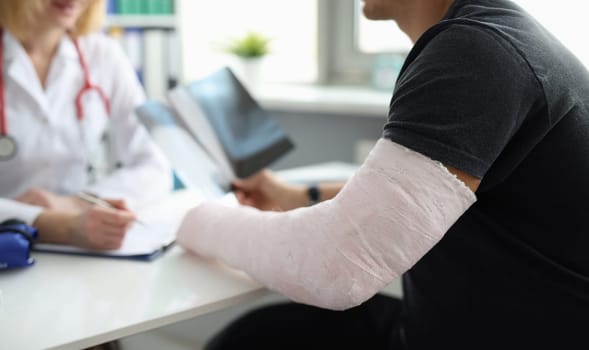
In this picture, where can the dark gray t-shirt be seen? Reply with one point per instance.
(490, 92)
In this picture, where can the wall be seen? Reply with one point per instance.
(325, 137)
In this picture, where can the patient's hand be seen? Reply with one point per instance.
(266, 191)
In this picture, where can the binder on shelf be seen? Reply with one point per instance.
(154, 53)
(158, 7)
(173, 58)
(129, 7)
(215, 118)
(133, 45)
(140, 7)
(169, 7)
(155, 66)
(111, 7)
(147, 31)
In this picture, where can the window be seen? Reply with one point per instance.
(370, 35)
(325, 41)
(292, 26)
(357, 45)
(564, 19)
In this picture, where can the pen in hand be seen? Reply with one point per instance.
(100, 202)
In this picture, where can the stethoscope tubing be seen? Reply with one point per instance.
(87, 87)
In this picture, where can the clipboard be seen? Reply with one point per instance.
(101, 254)
(141, 243)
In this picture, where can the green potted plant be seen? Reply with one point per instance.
(250, 46)
(249, 51)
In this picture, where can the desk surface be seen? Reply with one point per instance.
(75, 302)
(72, 302)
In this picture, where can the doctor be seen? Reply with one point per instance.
(63, 91)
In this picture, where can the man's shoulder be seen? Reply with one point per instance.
(459, 44)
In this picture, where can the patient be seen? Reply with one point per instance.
(475, 195)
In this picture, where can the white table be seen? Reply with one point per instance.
(73, 302)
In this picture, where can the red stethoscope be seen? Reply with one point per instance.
(8, 146)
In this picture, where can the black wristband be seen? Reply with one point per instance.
(314, 194)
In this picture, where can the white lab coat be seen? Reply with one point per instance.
(52, 154)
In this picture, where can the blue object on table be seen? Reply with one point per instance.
(16, 242)
(178, 183)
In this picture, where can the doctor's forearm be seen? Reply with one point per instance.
(55, 226)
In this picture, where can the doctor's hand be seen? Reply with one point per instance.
(265, 191)
(96, 227)
(102, 228)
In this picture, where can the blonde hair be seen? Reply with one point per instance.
(18, 15)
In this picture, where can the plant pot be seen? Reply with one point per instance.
(248, 72)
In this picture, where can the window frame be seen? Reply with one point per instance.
(341, 62)
(340, 59)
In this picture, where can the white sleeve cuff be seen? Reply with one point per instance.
(10, 209)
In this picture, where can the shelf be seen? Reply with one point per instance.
(142, 21)
(341, 100)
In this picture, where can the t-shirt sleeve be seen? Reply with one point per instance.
(462, 98)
